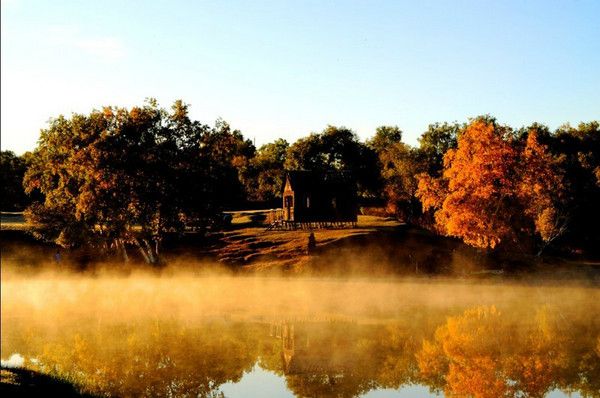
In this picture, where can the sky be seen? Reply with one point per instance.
(288, 68)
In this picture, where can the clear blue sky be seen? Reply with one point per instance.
(284, 69)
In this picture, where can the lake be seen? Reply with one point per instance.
(183, 334)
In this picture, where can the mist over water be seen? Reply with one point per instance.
(181, 333)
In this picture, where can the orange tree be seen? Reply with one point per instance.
(474, 198)
(493, 191)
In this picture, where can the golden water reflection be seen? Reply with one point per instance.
(479, 351)
(473, 354)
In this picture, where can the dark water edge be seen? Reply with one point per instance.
(20, 382)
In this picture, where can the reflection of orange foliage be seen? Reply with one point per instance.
(477, 378)
(478, 354)
(471, 342)
(150, 359)
(433, 364)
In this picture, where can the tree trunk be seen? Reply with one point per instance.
(156, 246)
(142, 251)
(124, 251)
(151, 255)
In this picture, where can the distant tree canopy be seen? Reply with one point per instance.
(120, 177)
(384, 138)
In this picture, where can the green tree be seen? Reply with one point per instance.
(398, 164)
(435, 142)
(264, 178)
(336, 148)
(579, 149)
(13, 168)
(117, 177)
(230, 155)
(384, 138)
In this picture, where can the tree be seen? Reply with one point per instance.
(336, 148)
(117, 177)
(398, 164)
(476, 202)
(384, 138)
(517, 188)
(11, 180)
(579, 150)
(542, 189)
(230, 155)
(435, 142)
(264, 178)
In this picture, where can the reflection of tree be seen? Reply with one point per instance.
(152, 359)
(396, 348)
(483, 354)
(328, 359)
(583, 373)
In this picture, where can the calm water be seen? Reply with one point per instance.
(253, 337)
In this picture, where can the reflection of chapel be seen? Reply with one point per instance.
(310, 197)
(300, 356)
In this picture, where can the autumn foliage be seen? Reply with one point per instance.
(489, 184)
(479, 354)
(94, 177)
(542, 189)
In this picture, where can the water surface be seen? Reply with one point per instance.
(188, 335)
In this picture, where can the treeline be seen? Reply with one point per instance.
(118, 177)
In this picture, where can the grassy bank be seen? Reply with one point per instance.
(376, 246)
